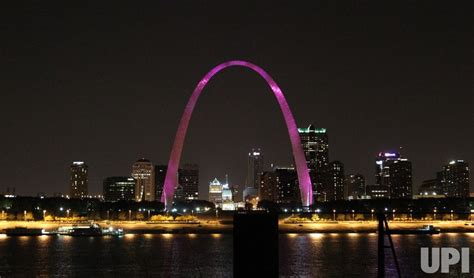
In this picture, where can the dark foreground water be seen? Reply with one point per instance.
(304, 255)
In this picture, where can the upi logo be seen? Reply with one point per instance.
(445, 256)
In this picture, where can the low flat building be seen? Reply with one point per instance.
(378, 191)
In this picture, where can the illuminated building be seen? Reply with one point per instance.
(8, 192)
(429, 188)
(143, 172)
(454, 179)
(215, 192)
(316, 150)
(355, 186)
(119, 188)
(189, 181)
(377, 191)
(254, 168)
(268, 187)
(394, 172)
(287, 185)
(79, 180)
(160, 174)
(227, 200)
(334, 189)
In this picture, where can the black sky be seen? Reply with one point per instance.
(107, 84)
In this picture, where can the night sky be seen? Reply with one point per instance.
(107, 84)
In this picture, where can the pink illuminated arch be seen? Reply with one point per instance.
(301, 167)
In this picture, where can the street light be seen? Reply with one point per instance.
(44, 215)
(372, 214)
(24, 215)
(334, 215)
(129, 215)
(67, 212)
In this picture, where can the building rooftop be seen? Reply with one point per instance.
(310, 129)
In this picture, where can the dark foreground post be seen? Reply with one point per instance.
(380, 247)
(383, 231)
(255, 245)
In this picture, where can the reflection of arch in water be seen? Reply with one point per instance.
(298, 154)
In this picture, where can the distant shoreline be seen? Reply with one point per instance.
(212, 227)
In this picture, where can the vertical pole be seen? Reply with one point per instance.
(381, 246)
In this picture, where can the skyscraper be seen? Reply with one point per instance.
(355, 186)
(188, 178)
(316, 149)
(394, 172)
(215, 192)
(143, 172)
(79, 180)
(287, 185)
(454, 179)
(160, 175)
(268, 188)
(119, 188)
(334, 189)
(254, 168)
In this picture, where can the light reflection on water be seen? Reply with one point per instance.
(210, 255)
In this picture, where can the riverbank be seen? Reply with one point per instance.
(210, 227)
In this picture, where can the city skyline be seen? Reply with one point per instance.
(392, 86)
(188, 187)
(202, 185)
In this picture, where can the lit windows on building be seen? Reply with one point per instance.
(79, 182)
(143, 172)
(119, 188)
(395, 172)
(454, 179)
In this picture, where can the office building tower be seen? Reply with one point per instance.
(160, 175)
(355, 186)
(119, 188)
(287, 185)
(188, 179)
(394, 172)
(316, 149)
(79, 181)
(454, 179)
(334, 189)
(268, 189)
(215, 192)
(254, 168)
(143, 172)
